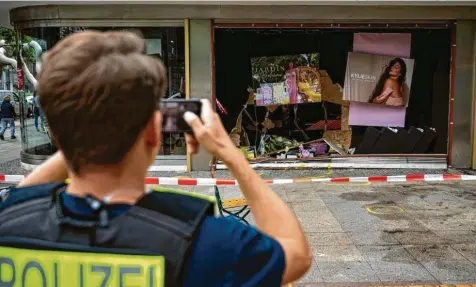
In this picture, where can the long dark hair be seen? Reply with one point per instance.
(386, 74)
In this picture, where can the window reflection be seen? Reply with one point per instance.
(166, 43)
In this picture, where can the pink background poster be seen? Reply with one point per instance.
(388, 44)
(384, 44)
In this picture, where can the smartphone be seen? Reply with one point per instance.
(172, 114)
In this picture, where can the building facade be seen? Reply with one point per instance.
(190, 38)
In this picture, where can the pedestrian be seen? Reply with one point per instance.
(101, 220)
(7, 115)
(38, 113)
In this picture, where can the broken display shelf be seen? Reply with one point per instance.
(340, 138)
(292, 147)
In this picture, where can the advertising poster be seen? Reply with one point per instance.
(387, 44)
(384, 44)
(289, 79)
(378, 79)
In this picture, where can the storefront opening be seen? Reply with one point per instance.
(284, 131)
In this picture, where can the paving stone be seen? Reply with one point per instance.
(444, 223)
(404, 272)
(372, 238)
(332, 253)
(399, 225)
(351, 271)
(434, 252)
(299, 187)
(415, 238)
(390, 253)
(443, 200)
(327, 187)
(369, 195)
(451, 270)
(309, 205)
(328, 238)
(10, 149)
(318, 221)
(331, 198)
(209, 190)
(455, 237)
(312, 276)
(416, 202)
(302, 195)
(467, 250)
(353, 217)
(466, 216)
(11, 167)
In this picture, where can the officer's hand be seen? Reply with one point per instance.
(210, 133)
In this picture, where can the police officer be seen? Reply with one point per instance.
(99, 92)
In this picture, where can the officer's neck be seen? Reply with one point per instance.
(104, 183)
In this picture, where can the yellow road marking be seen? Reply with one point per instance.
(374, 209)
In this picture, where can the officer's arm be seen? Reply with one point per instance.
(52, 170)
(274, 218)
(271, 214)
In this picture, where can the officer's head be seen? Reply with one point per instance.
(100, 94)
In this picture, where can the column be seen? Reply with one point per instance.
(200, 76)
(462, 123)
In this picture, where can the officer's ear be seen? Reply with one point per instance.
(152, 131)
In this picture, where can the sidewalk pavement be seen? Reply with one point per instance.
(383, 234)
(10, 149)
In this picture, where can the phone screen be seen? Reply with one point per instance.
(172, 114)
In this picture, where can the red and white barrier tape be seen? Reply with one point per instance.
(222, 182)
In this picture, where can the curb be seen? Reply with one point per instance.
(232, 182)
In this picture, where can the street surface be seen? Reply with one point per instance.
(417, 233)
(369, 234)
(10, 149)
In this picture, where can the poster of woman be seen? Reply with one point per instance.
(378, 79)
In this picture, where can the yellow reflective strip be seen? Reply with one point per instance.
(22, 267)
(234, 202)
(226, 203)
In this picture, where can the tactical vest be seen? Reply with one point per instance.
(148, 245)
